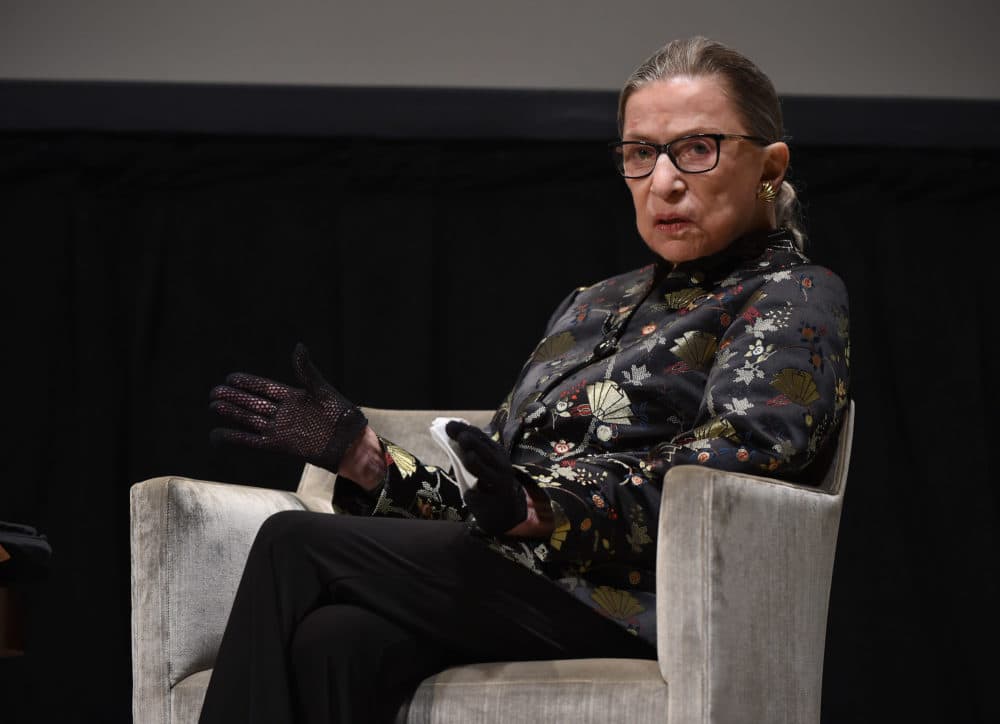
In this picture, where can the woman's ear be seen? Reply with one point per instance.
(776, 157)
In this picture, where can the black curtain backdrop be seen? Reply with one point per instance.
(140, 269)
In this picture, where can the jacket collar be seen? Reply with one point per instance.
(720, 264)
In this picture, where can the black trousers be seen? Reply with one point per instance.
(338, 618)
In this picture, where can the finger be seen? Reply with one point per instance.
(476, 439)
(222, 435)
(246, 400)
(261, 386)
(240, 415)
(476, 465)
(473, 498)
(455, 427)
(305, 371)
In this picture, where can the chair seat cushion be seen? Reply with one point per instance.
(570, 690)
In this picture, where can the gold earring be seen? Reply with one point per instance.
(767, 193)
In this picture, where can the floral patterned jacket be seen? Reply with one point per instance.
(736, 361)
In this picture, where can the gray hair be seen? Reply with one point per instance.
(751, 91)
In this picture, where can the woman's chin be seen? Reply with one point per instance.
(675, 249)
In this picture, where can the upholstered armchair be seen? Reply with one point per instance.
(744, 567)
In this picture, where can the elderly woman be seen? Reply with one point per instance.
(730, 351)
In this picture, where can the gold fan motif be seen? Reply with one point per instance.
(555, 347)
(716, 427)
(797, 385)
(406, 463)
(609, 403)
(562, 527)
(697, 348)
(682, 298)
(616, 603)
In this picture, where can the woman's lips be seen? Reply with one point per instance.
(671, 223)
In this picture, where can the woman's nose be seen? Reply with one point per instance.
(666, 180)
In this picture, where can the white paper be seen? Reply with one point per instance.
(463, 477)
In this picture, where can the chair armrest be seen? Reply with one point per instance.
(744, 565)
(189, 542)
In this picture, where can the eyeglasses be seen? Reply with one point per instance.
(697, 153)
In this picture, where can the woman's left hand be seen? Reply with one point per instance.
(500, 503)
(539, 522)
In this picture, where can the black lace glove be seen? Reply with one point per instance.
(317, 423)
(498, 500)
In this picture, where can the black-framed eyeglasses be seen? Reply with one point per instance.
(696, 153)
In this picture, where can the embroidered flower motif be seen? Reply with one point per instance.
(604, 433)
(747, 374)
(638, 537)
(561, 447)
(634, 577)
(841, 392)
(703, 456)
(636, 375)
(649, 329)
(742, 454)
(677, 368)
(739, 406)
(564, 471)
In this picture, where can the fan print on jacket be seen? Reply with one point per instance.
(738, 361)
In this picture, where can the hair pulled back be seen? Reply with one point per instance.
(749, 88)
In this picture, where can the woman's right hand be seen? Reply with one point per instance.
(316, 423)
(365, 462)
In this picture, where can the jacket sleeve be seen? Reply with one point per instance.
(774, 395)
(772, 400)
(410, 489)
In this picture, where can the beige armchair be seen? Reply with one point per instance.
(744, 566)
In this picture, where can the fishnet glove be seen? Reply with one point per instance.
(317, 423)
(498, 500)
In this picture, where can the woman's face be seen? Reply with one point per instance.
(684, 216)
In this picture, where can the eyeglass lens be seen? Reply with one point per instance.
(693, 155)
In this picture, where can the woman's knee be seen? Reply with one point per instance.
(280, 525)
(287, 530)
(293, 530)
